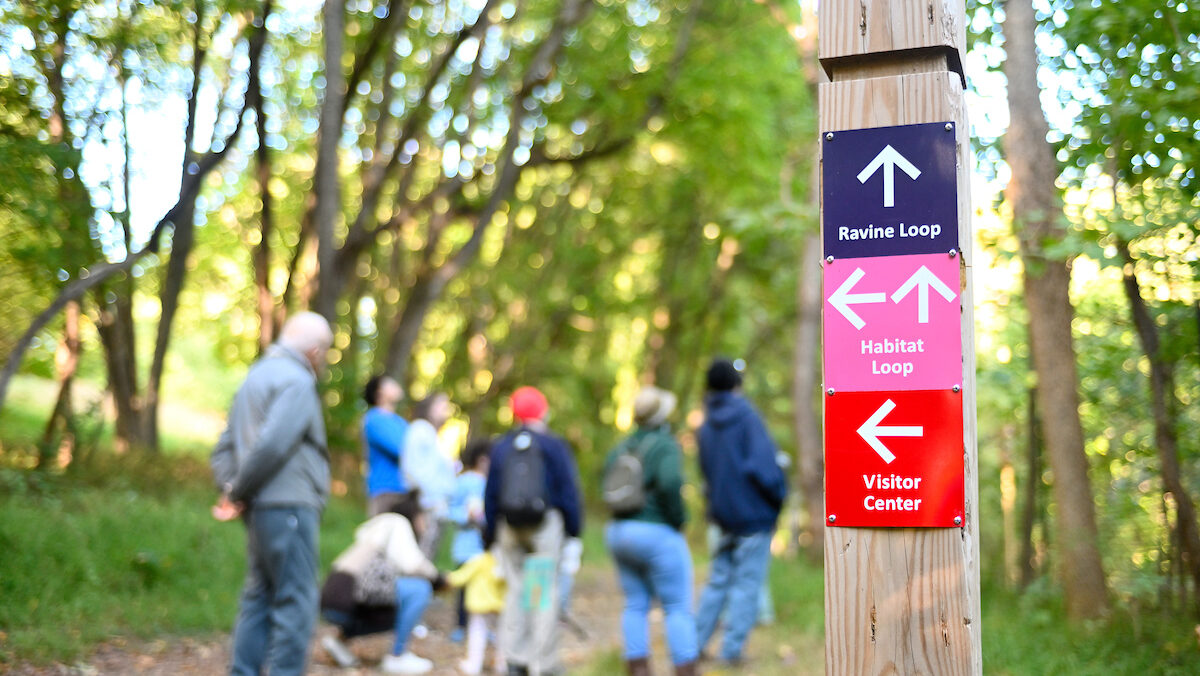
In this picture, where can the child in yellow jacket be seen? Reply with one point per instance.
(480, 577)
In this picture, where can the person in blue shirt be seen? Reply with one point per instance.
(745, 488)
(383, 436)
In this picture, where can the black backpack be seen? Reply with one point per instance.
(523, 498)
(624, 482)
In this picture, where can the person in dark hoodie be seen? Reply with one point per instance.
(745, 489)
(530, 521)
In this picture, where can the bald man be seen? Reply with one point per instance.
(272, 466)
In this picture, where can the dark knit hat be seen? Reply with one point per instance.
(722, 375)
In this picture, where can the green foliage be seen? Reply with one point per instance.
(1137, 88)
(1030, 634)
(132, 552)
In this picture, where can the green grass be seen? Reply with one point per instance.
(24, 413)
(1029, 634)
(190, 419)
(138, 556)
(83, 564)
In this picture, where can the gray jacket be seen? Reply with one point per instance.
(273, 450)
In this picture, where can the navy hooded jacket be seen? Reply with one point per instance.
(562, 483)
(744, 484)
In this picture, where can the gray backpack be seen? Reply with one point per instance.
(624, 482)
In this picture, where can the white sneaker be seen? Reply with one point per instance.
(407, 663)
(338, 651)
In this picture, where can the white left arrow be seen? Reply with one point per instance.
(842, 299)
(923, 280)
(871, 430)
(888, 159)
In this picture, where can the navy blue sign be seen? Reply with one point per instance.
(890, 191)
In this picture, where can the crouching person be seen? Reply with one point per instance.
(381, 582)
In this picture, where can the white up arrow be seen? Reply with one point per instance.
(889, 159)
(923, 280)
(842, 299)
(871, 430)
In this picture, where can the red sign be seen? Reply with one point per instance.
(892, 323)
(894, 459)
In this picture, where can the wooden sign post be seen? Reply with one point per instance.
(901, 546)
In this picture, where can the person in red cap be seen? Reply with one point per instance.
(531, 505)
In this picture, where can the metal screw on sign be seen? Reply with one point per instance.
(829, 391)
(953, 253)
(958, 521)
(956, 388)
(949, 126)
(829, 259)
(829, 136)
(832, 518)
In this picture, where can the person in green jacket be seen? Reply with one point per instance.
(652, 555)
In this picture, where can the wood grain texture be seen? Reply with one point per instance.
(906, 601)
(850, 28)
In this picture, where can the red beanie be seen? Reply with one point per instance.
(528, 404)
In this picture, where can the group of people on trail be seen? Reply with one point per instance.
(513, 508)
(516, 512)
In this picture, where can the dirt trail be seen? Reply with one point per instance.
(774, 651)
(596, 607)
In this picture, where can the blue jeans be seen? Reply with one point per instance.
(653, 561)
(412, 595)
(279, 599)
(739, 567)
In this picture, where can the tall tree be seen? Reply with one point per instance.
(1140, 94)
(137, 410)
(1036, 213)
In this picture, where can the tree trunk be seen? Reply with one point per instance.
(115, 327)
(1034, 200)
(176, 274)
(1026, 561)
(326, 183)
(805, 385)
(262, 252)
(66, 362)
(408, 328)
(1162, 386)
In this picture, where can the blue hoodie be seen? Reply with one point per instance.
(744, 484)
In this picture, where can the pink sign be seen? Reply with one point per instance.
(893, 323)
(894, 459)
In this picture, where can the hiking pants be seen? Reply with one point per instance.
(529, 631)
(279, 598)
(738, 569)
(653, 561)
